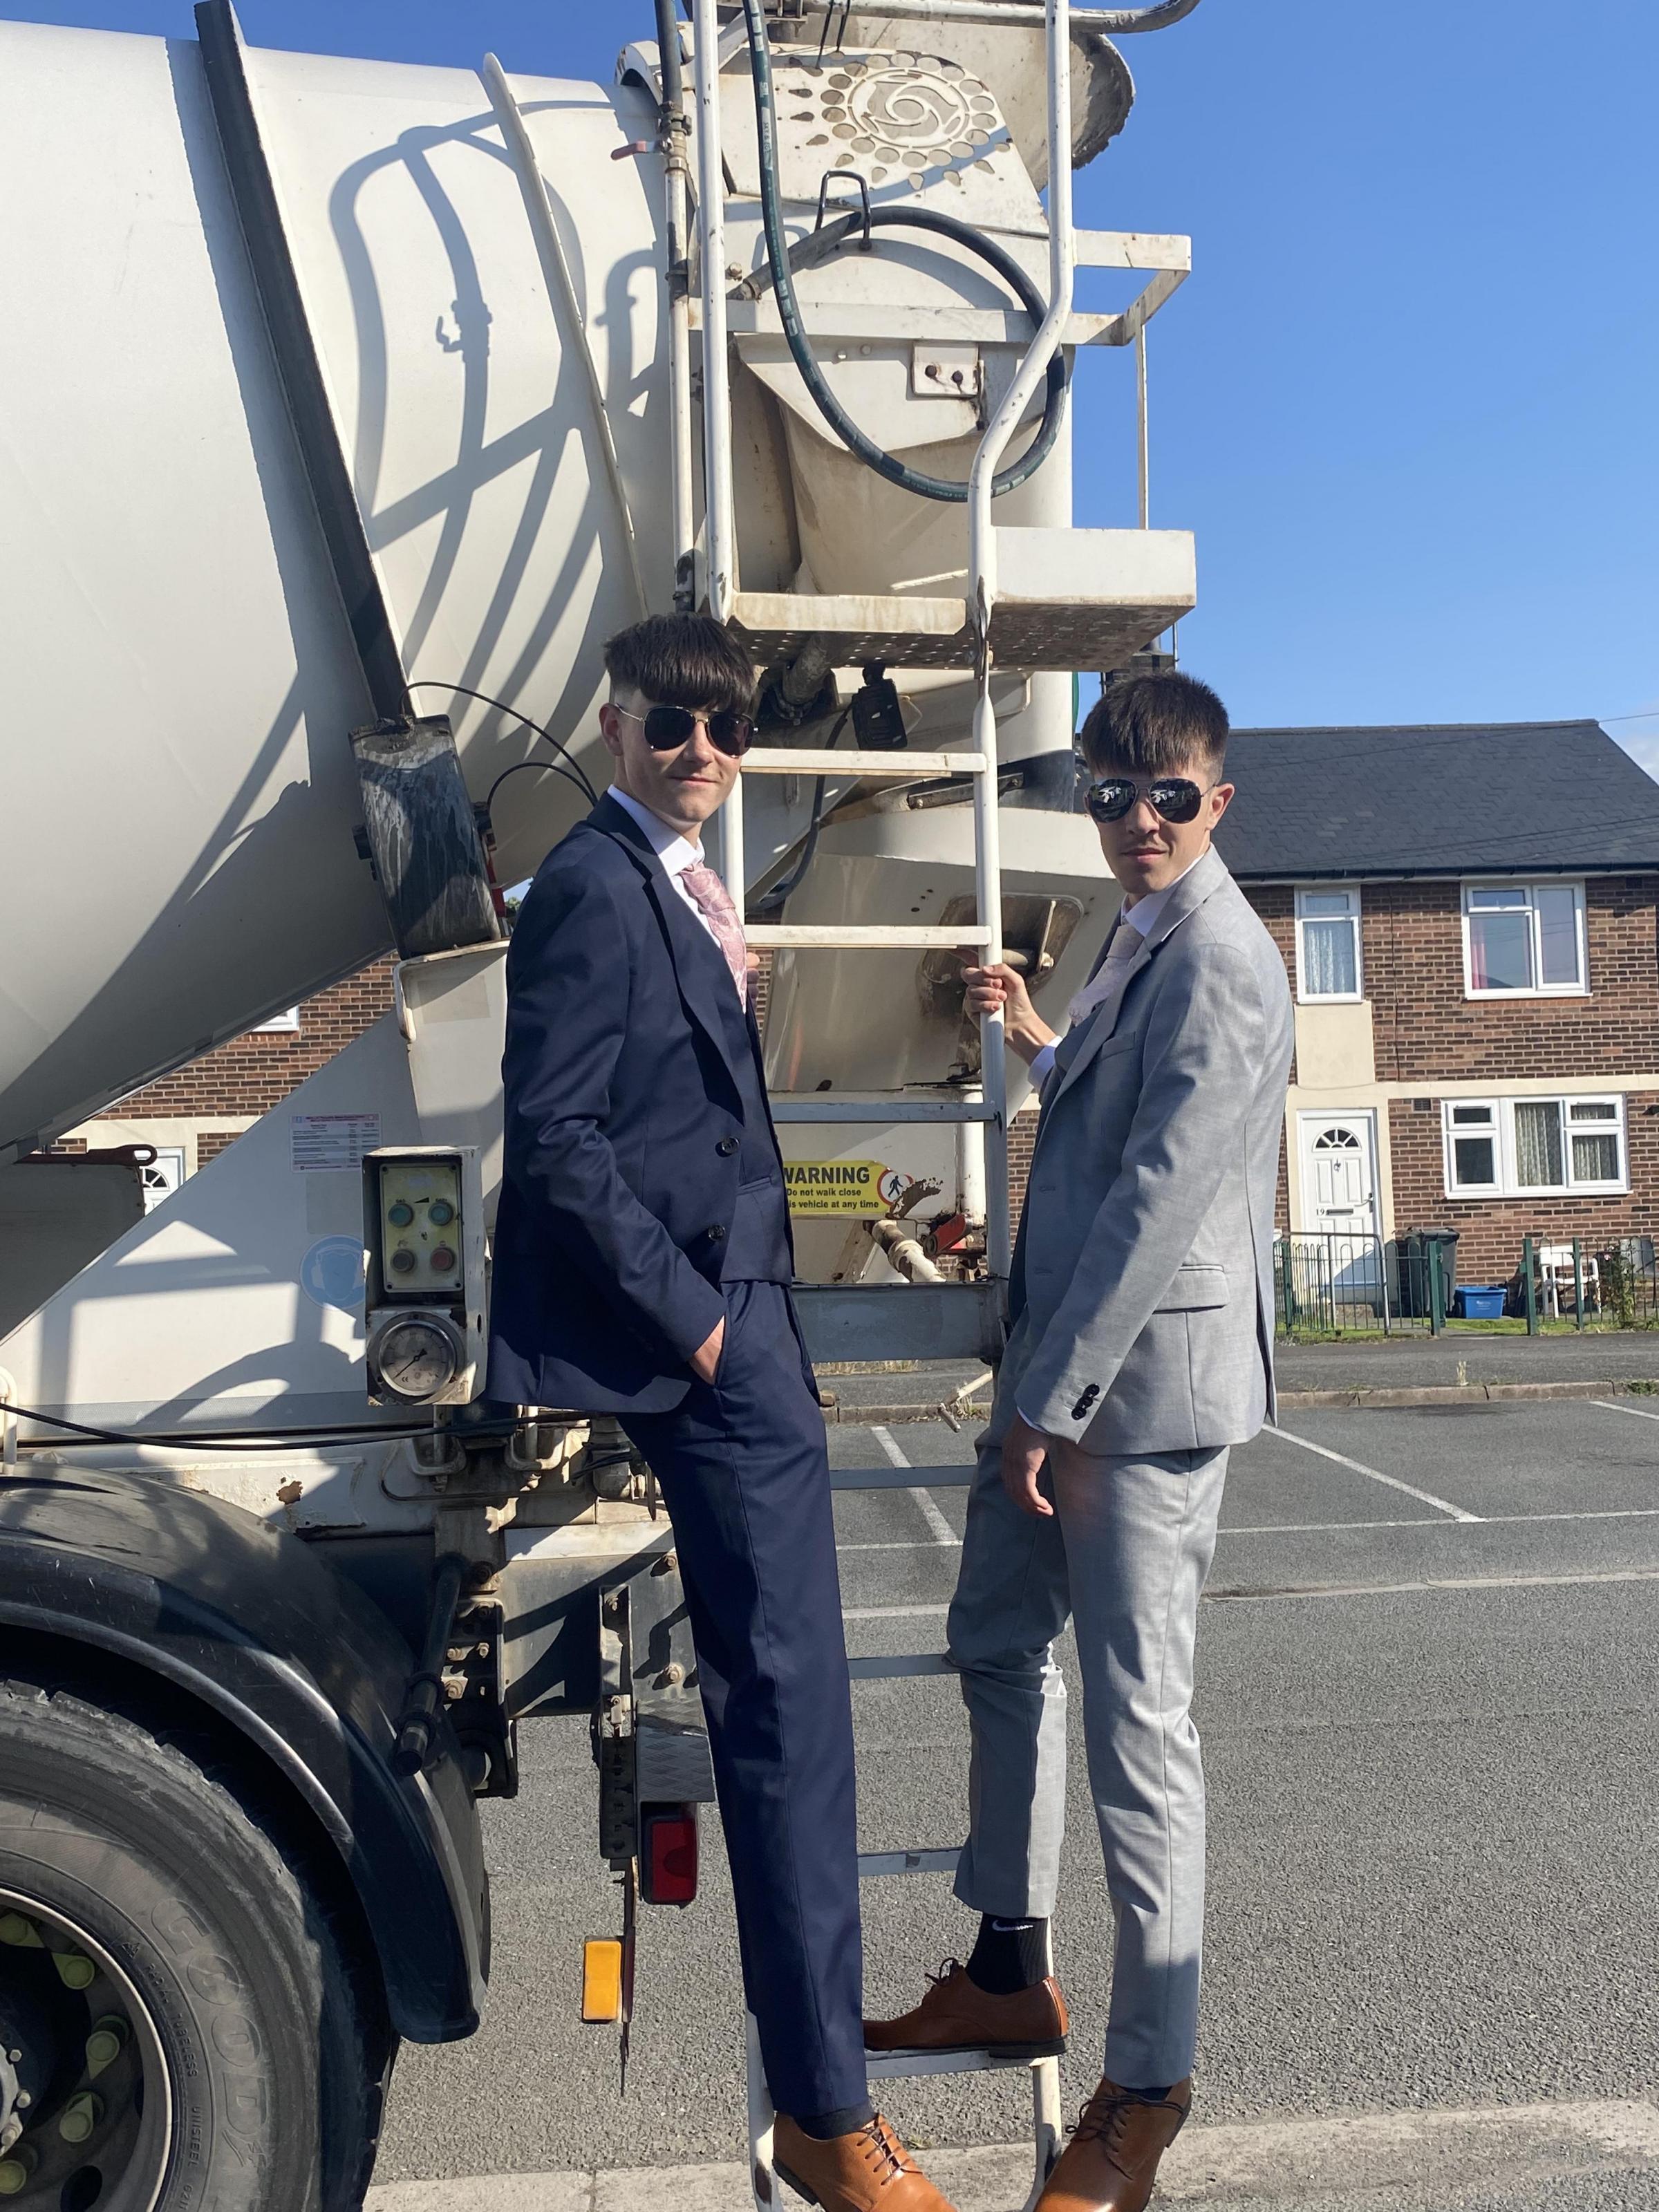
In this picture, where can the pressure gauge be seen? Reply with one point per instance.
(425, 1288)
(417, 1355)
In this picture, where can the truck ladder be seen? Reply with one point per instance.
(1036, 599)
(1046, 2120)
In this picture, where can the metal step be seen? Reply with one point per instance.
(898, 764)
(873, 1864)
(849, 937)
(898, 1666)
(905, 2065)
(822, 1106)
(900, 1478)
(1064, 598)
(853, 1322)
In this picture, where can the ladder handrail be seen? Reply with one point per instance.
(722, 543)
(982, 589)
(718, 532)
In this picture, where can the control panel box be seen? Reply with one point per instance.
(426, 1280)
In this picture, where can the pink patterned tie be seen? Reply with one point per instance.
(714, 903)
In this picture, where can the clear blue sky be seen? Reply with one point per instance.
(1407, 400)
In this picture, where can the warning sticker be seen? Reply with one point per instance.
(854, 1186)
(332, 1140)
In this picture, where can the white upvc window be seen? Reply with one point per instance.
(286, 1024)
(1524, 940)
(1534, 1147)
(1328, 964)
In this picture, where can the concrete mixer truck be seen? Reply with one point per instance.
(350, 406)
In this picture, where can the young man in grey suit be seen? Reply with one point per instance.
(1141, 1349)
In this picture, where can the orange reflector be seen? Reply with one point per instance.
(602, 1968)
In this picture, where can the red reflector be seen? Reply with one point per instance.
(668, 1864)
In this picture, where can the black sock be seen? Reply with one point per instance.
(824, 2127)
(1008, 1955)
(1150, 2096)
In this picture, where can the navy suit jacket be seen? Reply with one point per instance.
(625, 1134)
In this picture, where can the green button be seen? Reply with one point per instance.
(440, 1213)
(401, 1214)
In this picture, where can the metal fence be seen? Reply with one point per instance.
(1333, 1283)
(1329, 1282)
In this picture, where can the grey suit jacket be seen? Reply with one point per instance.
(1142, 1278)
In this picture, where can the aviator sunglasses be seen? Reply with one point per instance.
(1176, 797)
(664, 728)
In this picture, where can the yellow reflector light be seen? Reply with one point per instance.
(602, 1966)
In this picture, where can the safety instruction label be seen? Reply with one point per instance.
(332, 1140)
(856, 1187)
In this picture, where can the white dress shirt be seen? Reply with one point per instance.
(1143, 916)
(676, 853)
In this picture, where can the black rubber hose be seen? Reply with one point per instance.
(668, 60)
(782, 265)
(773, 901)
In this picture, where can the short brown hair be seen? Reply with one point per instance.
(682, 660)
(1155, 725)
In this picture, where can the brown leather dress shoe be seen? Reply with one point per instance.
(956, 2014)
(869, 2170)
(1111, 2162)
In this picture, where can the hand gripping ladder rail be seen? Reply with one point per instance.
(1047, 619)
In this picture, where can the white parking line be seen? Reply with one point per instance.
(1359, 1467)
(894, 1612)
(1437, 1582)
(1612, 1406)
(1489, 1521)
(943, 1533)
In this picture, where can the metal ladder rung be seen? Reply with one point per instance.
(898, 1665)
(851, 937)
(900, 1478)
(816, 1106)
(906, 2065)
(873, 1864)
(798, 760)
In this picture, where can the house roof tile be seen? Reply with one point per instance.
(1436, 799)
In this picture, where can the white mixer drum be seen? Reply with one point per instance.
(176, 780)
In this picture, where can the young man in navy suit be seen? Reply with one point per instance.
(642, 1265)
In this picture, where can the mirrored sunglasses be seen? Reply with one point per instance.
(664, 728)
(1176, 797)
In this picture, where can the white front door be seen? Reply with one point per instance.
(1338, 1174)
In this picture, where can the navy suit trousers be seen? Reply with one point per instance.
(743, 1469)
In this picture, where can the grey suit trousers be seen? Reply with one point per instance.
(1125, 1556)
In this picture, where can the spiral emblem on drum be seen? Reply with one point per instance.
(909, 112)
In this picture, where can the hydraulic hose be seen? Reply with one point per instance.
(782, 261)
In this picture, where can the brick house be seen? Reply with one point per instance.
(1470, 920)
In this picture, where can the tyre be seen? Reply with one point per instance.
(186, 2024)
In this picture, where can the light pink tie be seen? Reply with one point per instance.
(715, 904)
(1107, 978)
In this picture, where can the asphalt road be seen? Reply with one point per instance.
(1429, 1695)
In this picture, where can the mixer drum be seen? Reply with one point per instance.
(176, 779)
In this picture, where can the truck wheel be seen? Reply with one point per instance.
(182, 2026)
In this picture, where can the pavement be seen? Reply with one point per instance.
(1429, 1693)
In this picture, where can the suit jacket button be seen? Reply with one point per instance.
(716, 1234)
(727, 1146)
